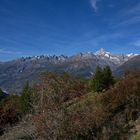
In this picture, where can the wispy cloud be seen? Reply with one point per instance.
(94, 4)
(127, 17)
(2, 51)
(137, 43)
(127, 22)
(97, 40)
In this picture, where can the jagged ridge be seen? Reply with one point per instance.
(14, 74)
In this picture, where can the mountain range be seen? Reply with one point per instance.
(15, 73)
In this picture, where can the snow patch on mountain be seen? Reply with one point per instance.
(100, 54)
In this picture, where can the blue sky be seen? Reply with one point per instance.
(34, 27)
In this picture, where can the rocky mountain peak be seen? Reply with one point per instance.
(102, 52)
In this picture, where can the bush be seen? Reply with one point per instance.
(9, 111)
(55, 90)
(91, 116)
(66, 111)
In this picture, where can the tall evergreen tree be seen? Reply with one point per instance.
(102, 79)
(108, 78)
(96, 83)
(1, 94)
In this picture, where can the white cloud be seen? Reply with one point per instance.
(94, 5)
(2, 51)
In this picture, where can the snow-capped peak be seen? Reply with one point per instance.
(131, 55)
(102, 52)
(118, 59)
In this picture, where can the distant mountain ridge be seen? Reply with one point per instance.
(130, 65)
(14, 74)
(116, 58)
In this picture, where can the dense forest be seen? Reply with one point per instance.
(66, 107)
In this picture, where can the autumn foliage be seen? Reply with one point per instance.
(69, 112)
(62, 107)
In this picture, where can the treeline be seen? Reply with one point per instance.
(65, 107)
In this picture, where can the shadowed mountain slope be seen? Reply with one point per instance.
(130, 65)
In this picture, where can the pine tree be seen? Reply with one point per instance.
(102, 79)
(1, 94)
(108, 78)
(97, 80)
